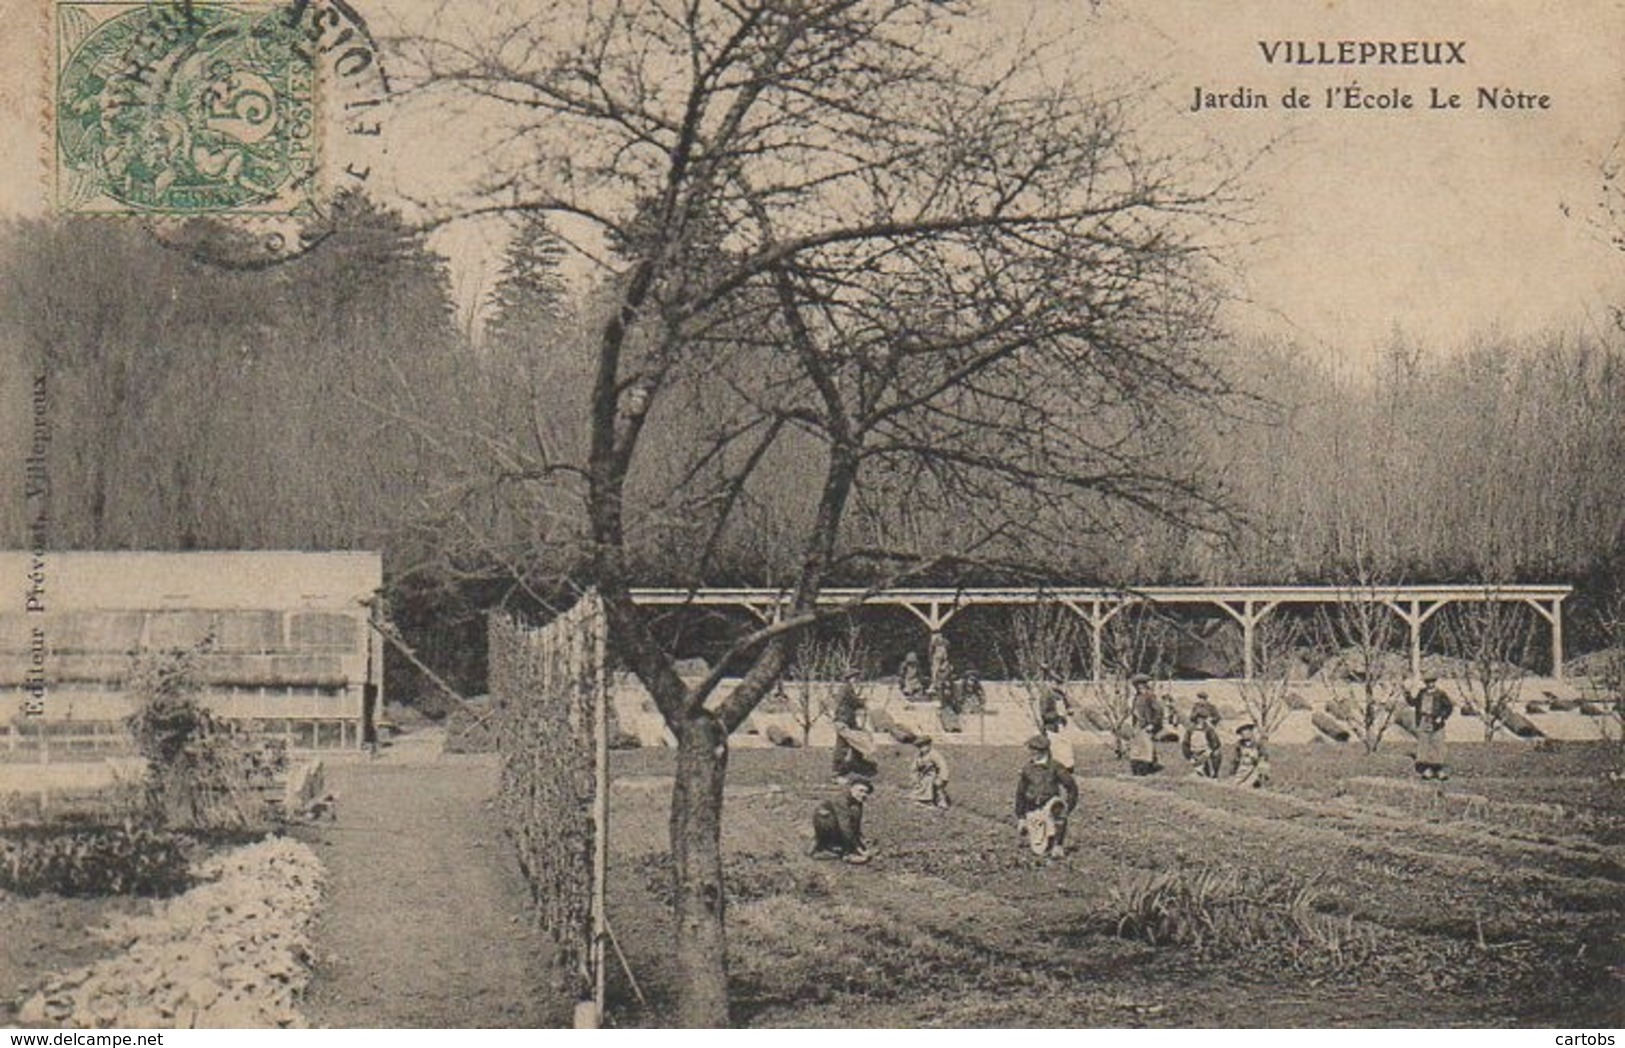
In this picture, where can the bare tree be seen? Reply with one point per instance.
(905, 273)
(1605, 215)
(1044, 638)
(1360, 636)
(1606, 676)
(817, 668)
(1264, 695)
(1138, 639)
(1493, 641)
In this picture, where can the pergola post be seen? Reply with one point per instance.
(1555, 618)
(1557, 639)
(935, 615)
(1250, 615)
(1247, 623)
(1096, 619)
(1097, 643)
(1415, 615)
(1414, 619)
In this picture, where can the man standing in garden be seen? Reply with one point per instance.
(950, 703)
(908, 678)
(1061, 750)
(850, 758)
(1433, 707)
(1054, 705)
(1203, 707)
(972, 697)
(941, 669)
(1201, 744)
(1145, 719)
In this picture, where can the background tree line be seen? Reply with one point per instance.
(335, 401)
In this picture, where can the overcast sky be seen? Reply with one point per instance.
(1438, 224)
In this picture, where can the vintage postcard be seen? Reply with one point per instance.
(867, 514)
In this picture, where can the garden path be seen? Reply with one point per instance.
(426, 922)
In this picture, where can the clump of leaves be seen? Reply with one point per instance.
(94, 862)
(1218, 912)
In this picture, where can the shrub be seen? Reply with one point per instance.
(1224, 912)
(201, 771)
(94, 861)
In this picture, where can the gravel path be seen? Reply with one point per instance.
(426, 921)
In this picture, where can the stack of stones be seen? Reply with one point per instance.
(230, 953)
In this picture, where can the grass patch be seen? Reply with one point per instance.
(1434, 804)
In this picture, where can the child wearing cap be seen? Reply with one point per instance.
(1046, 793)
(838, 825)
(1201, 745)
(1252, 763)
(1203, 707)
(930, 775)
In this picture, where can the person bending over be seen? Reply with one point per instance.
(838, 825)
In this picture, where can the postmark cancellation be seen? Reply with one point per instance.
(183, 109)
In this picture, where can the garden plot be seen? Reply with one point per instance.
(1183, 903)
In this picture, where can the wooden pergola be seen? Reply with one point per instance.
(1248, 605)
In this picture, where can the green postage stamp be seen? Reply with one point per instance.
(183, 110)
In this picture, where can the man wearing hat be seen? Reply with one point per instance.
(930, 774)
(1145, 718)
(850, 757)
(972, 697)
(1433, 707)
(1201, 744)
(1061, 750)
(1046, 793)
(1252, 763)
(838, 825)
(1203, 707)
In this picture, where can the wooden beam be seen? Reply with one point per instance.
(1100, 612)
(1250, 615)
(1155, 594)
(1246, 604)
(936, 617)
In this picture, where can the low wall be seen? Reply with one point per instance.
(1007, 722)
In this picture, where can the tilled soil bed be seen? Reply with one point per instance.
(1506, 910)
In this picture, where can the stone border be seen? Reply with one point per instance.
(232, 953)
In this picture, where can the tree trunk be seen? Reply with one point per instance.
(696, 850)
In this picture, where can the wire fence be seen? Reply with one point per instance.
(548, 688)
